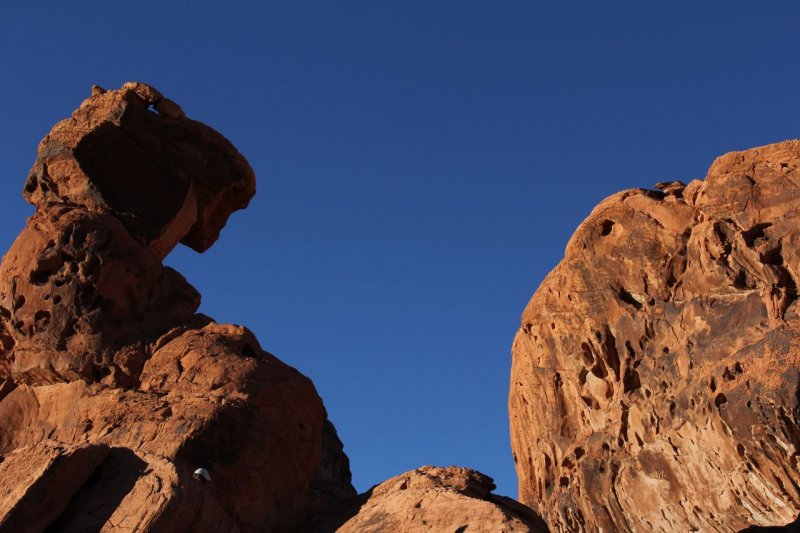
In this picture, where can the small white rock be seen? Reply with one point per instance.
(202, 473)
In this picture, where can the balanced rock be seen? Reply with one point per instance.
(113, 391)
(655, 376)
(131, 151)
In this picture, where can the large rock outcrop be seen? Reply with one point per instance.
(112, 389)
(655, 381)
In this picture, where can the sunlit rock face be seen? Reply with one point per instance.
(431, 499)
(655, 375)
(113, 391)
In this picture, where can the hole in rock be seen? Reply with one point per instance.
(655, 195)
(727, 375)
(720, 399)
(631, 381)
(629, 347)
(628, 298)
(40, 277)
(751, 235)
(599, 370)
(605, 227)
(42, 318)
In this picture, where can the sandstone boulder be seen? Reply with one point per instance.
(132, 152)
(655, 381)
(431, 498)
(80, 297)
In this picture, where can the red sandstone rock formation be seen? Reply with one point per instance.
(112, 390)
(655, 376)
(433, 499)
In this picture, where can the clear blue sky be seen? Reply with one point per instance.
(421, 166)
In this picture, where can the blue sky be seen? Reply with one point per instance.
(421, 166)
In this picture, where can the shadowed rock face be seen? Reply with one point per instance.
(112, 390)
(132, 152)
(655, 376)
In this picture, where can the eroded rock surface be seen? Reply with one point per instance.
(168, 178)
(431, 498)
(655, 376)
(112, 389)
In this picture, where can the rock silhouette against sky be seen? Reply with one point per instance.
(114, 392)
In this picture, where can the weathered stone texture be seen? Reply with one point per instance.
(655, 376)
(432, 499)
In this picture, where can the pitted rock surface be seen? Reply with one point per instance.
(655, 376)
(112, 389)
(80, 298)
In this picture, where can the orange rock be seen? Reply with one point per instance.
(134, 153)
(102, 354)
(80, 297)
(433, 499)
(655, 375)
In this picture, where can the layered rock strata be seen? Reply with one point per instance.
(655, 380)
(113, 390)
